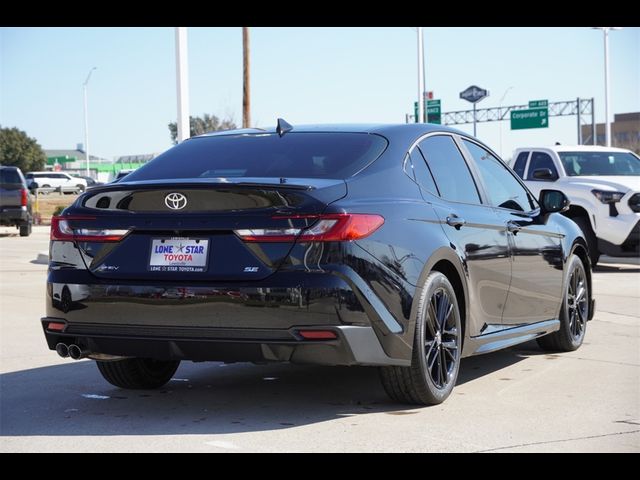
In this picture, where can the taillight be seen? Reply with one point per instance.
(336, 227)
(62, 230)
(24, 197)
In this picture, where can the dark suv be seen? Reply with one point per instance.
(15, 202)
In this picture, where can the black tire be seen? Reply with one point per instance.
(25, 229)
(590, 237)
(80, 188)
(138, 373)
(436, 348)
(573, 313)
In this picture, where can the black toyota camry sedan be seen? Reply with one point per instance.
(406, 247)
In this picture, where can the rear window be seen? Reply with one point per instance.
(302, 155)
(9, 175)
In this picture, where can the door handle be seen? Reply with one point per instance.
(455, 221)
(513, 227)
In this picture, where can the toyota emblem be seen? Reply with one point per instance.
(175, 201)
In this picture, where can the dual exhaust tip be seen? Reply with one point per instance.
(73, 351)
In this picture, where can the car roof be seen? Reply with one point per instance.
(575, 148)
(13, 167)
(378, 128)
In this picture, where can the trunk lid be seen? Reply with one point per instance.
(185, 230)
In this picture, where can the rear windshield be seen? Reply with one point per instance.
(600, 163)
(302, 155)
(9, 175)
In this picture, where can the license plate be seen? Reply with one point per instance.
(179, 255)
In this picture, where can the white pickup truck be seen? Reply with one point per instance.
(603, 184)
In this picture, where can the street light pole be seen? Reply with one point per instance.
(500, 113)
(420, 77)
(607, 125)
(86, 120)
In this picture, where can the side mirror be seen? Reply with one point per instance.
(544, 174)
(553, 201)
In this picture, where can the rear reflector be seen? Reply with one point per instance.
(62, 230)
(317, 334)
(335, 227)
(56, 327)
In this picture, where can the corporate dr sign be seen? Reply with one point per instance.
(529, 118)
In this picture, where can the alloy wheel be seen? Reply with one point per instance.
(577, 306)
(441, 339)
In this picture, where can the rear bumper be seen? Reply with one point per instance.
(12, 216)
(231, 322)
(353, 345)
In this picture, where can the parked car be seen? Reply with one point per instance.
(91, 182)
(406, 247)
(15, 202)
(603, 185)
(120, 175)
(55, 181)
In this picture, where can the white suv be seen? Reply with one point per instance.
(603, 184)
(50, 181)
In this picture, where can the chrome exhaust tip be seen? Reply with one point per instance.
(76, 352)
(62, 350)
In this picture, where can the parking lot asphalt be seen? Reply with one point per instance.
(517, 400)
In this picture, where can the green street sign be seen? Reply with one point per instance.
(434, 112)
(538, 103)
(415, 111)
(532, 118)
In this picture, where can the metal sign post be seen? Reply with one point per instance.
(474, 94)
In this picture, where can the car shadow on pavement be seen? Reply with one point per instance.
(210, 398)
(616, 269)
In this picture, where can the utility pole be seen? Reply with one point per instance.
(182, 77)
(420, 78)
(246, 90)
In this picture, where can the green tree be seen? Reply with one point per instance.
(204, 124)
(18, 149)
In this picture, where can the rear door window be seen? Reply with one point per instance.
(422, 174)
(521, 163)
(449, 169)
